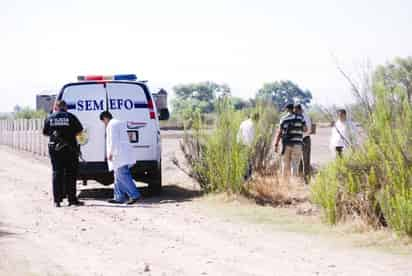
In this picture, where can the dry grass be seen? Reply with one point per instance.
(272, 190)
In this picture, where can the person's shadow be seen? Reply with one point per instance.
(170, 194)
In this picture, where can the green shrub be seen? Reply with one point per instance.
(261, 154)
(225, 158)
(375, 181)
(397, 208)
(325, 192)
(218, 161)
(29, 113)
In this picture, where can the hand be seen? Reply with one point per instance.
(276, 148)
(110, 157)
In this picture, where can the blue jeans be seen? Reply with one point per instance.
(124, 185)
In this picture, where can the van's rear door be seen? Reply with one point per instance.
(87, 101)
(129, 102)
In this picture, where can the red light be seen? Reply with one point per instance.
(152, 113)
(94, 78)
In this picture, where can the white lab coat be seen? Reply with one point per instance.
(118, 144)
(246, 133)
(345, 129)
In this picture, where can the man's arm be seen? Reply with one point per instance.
(109, 143)
(304, 124)
(305, 127)
(78, 128)
(113, 140)
(353, 133)
(308, 121)
(46, 128)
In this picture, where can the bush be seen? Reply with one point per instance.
(217, 160)
(262, 155)
(325, 192)
(29, 113)
(374, 182)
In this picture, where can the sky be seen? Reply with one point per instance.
(243, 43)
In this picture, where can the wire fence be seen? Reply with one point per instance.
(24, 135)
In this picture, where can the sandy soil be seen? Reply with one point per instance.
(167, 235)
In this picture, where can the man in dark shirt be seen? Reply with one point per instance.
(62, 128)
(291, 129)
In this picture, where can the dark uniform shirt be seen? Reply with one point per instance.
(62, 127)
(292, 126)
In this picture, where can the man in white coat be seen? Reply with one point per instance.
(344, 134)
(120, 159)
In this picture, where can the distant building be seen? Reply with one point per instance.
(45, 102)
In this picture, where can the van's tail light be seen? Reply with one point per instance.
(152, 113)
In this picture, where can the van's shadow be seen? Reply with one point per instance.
(170, 194)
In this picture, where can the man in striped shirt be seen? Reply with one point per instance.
(290, 131)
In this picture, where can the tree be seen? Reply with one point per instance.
(239, 103)
(29, 113)
(199, 96)
(283, 92)
(396, 75)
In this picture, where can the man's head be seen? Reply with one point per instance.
(298, 108)
(105, 117)
(289, 108)
(60, 106)
(342, 115)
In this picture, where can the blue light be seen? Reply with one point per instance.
(126, 77)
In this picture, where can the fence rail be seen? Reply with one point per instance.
(24, 135)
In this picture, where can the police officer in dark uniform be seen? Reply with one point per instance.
(62, 128)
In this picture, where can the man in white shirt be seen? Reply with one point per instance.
(246, 133)
(120, 159)
(246, 136)
(344, 134)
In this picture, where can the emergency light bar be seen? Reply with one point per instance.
(122, 77)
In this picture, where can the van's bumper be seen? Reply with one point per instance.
(98, 171)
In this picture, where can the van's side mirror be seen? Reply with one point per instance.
(164, 114)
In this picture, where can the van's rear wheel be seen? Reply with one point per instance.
(155, 184)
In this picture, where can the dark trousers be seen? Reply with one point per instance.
(339, 151)
(65, 164)
(304, 165)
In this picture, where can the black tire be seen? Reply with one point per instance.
(155, 184)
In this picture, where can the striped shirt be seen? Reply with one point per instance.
(292, 126)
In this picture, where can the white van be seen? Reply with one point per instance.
(128, 100)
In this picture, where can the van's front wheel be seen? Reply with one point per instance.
(155, 184)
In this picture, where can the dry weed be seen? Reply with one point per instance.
(278, 192)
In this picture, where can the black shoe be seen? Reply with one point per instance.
(133, 200)
(57, 204)
(76, 203)
(114, 201)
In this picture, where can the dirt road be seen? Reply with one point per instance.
(170, 235)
